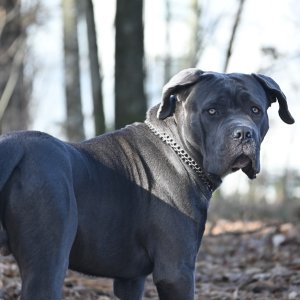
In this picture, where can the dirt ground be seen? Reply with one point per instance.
(237, 260)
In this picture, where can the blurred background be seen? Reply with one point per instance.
(76, 69)
(79, 68)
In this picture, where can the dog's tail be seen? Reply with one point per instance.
(11, 153)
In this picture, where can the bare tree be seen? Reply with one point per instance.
(74, 126)
(13, 88)
(168, 58)
(236, 24)
(129, 63)
(95, 68)
(196, 40)
(196, 34)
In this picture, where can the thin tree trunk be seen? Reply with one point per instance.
(168, 58)
(95, 68)
(13, 89)
(129, 63)
(196, 41)
(74, 126)
(236, 24)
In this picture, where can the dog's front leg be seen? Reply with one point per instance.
(175, 285)
(129, 289)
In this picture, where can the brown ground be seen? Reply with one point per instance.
(237, 260)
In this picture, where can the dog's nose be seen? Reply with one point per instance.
(242, 133)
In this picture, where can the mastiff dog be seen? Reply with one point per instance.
(132, 202)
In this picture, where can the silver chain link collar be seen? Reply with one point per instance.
(183, 155)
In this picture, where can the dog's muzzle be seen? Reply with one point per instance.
(246, 157)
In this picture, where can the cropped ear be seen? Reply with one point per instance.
(184, 78)
(274, 92)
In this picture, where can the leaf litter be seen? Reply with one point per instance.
(238, 260)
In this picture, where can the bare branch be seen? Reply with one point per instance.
(5, 17)
(233, 34)
(13, 76)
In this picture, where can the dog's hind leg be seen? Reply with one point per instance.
(4, 248)
(129, 289)
(41, 232)
(42, 253)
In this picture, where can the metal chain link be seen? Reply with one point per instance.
(183, 155)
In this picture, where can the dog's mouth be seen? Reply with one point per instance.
(240, 162)
(244, 156)
(247, 164)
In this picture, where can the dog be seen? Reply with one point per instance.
(132, 202)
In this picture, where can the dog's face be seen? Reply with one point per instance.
(223, 117)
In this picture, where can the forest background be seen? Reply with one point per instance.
(76, 69)
(79, 68)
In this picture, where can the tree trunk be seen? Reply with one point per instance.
(236, 24)
(130, 96)
(168, 58)
(13, 94)
(74, 122)
(196, 38)
(95, 68)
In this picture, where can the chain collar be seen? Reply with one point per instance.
(183, 155)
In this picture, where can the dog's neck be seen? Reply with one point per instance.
(169, 127)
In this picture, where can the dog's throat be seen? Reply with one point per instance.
(183, 155)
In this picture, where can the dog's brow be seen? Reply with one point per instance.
(245, 96)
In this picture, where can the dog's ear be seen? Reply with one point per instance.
(274, 92)
(184, 78)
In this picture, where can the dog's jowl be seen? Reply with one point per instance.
(133, 202)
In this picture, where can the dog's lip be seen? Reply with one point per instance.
(247, 164)
(240, 162)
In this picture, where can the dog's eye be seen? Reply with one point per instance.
(255, 110)
(212, 111)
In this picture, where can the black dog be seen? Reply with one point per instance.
(132, 202)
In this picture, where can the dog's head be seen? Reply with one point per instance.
(223, 117)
